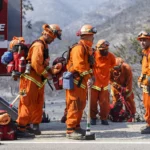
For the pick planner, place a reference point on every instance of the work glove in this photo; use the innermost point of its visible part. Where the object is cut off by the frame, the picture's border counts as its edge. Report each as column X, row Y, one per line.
column 139, row 84
column 56, row 68
column 90, row 82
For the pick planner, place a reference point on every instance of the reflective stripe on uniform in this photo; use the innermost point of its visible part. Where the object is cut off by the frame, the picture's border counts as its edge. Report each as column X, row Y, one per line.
column 129, row 93
column 82, row 85
column 99, row 89
column 40, row 85
column 44, row 72
column 86, row 72
column 145, row 89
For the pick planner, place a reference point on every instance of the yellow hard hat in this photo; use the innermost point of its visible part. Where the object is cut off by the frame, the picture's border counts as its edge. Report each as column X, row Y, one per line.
column 53, row 30
column 102, row 45
column 143, row 35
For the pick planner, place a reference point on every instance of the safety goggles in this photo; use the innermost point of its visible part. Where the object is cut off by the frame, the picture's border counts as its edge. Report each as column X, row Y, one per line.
column 143, row 33
column 117, row 67
column 57, row 33
column 93, row 30
column 104, row 44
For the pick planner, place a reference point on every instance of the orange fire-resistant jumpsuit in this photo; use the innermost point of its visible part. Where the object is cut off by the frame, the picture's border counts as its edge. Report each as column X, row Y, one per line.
column 76, row 98
column 100, row 94
column 123, row 79
column 30, row 106
column 145, row 79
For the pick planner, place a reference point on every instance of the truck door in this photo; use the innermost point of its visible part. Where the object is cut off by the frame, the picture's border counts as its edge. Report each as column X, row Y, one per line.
column 10, row 25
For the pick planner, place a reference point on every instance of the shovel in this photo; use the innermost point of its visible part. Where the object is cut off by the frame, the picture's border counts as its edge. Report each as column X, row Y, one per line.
column 89, row 135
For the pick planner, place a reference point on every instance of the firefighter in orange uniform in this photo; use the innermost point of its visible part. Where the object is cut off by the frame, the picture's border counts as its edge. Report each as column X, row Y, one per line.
column 79, row 65
column 30, row 106
column 144, row 79
column 121, row 83
column 104, row 61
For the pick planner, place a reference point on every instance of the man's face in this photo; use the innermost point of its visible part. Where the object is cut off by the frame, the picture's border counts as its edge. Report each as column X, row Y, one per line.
column 89, row 37
column 48, row 39
column 145, row 43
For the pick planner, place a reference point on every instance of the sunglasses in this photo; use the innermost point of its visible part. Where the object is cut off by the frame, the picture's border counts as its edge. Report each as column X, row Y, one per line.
column 104, row 44
column 117, row 67
column 143, row 33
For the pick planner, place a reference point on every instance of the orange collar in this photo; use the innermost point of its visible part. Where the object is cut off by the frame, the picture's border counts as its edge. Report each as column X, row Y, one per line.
column 41, row 38
column 86, row 43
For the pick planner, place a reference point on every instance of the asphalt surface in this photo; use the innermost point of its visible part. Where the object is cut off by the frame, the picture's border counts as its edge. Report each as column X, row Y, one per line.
column 115, row 136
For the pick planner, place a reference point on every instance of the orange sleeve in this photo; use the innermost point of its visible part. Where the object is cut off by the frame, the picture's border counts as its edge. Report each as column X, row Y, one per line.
column 37, row 60
column 128, row 74
column 80, row 61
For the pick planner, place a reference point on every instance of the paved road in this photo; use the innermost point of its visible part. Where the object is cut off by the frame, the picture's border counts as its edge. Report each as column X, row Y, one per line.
column 115, row 136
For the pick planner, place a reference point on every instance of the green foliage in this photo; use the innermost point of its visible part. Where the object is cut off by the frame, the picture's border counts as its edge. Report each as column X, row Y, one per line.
column 136, row 46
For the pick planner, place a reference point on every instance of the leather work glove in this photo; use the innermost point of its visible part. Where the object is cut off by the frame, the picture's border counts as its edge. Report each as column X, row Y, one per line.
column 56, row 68
column 4, row 119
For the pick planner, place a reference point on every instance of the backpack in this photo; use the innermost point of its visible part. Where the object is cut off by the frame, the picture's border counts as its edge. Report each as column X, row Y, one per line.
column 117, row 113
column 57, row 78
column 15, row 59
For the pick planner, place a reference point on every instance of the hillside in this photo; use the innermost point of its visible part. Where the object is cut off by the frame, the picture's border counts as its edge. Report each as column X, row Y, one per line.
column 116, row 20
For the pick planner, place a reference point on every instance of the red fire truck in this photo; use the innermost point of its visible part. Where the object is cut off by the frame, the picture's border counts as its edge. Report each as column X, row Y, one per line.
column 10, row 25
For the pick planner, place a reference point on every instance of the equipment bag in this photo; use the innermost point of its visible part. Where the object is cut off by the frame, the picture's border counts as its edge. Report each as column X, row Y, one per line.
column 7, row 57
column 117, row 113
column 7, row 132
column 68, row 80
column 58, row 78
column 7, row 127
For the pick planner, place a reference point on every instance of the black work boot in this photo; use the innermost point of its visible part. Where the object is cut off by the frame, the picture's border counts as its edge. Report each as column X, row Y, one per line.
column 36, row 129
column 104, row 122
column 21, row 132
column 63, row 119
column 93, row 121
column 81, row 131
column 74, row 135
column 24, row 134
column 29, row 129
column 145, row 130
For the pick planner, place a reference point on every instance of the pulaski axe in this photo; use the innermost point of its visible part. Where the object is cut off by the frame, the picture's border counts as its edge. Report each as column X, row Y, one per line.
column 89, row 135
column 21, row 93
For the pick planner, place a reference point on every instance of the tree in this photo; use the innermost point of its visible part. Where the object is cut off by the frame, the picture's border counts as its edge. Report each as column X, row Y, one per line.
column 27, row 6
